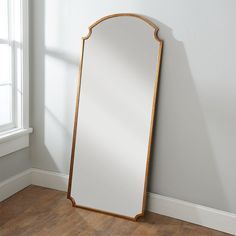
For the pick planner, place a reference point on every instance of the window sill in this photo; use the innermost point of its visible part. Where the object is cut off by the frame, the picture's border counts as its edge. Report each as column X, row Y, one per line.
column 14, row 140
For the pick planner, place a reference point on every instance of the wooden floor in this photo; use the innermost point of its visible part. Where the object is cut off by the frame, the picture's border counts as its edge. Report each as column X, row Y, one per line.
column 46, row 212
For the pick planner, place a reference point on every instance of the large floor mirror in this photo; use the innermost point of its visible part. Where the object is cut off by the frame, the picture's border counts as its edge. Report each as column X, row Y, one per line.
column 114, row 115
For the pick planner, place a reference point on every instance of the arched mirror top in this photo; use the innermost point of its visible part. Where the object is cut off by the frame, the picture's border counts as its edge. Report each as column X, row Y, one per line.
column 139, row 17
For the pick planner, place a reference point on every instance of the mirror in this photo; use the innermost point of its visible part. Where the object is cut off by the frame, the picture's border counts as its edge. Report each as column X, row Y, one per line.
column 116, row 100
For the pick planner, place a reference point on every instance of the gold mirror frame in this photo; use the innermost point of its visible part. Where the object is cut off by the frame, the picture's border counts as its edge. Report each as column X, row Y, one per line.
column 156, row 29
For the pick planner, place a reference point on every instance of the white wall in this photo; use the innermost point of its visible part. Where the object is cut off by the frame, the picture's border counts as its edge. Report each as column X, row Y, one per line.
column 194, row 152
column 14, row 164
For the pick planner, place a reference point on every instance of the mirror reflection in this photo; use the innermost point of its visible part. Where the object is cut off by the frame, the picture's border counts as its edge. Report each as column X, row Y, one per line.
column 114, row 115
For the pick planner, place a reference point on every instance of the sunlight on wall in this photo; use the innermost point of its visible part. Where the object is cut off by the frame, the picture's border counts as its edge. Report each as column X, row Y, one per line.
column 57, row 113
column 60, row 83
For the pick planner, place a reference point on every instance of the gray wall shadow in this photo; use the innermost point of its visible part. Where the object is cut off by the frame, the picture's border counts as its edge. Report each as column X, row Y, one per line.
column 182, row 161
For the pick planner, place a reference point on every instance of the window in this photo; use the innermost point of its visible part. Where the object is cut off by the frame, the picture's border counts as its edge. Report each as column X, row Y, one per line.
column 14, row 125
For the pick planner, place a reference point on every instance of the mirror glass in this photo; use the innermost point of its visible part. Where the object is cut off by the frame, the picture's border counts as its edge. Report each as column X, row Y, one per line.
column 114, row 115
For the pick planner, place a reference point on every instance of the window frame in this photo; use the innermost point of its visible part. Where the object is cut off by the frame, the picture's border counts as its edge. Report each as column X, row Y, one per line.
column 9, row 42
column 15, row 136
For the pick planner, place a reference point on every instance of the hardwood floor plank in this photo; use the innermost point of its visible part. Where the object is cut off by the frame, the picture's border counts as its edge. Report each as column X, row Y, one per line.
column 37, row 211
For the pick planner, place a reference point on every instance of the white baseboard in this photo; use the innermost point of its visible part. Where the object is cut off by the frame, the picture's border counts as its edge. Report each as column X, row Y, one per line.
column 49, row 179
column 190, row 212
column 14, row 184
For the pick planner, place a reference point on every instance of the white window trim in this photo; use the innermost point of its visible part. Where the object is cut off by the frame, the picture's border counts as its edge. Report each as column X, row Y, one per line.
column 18, row 138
